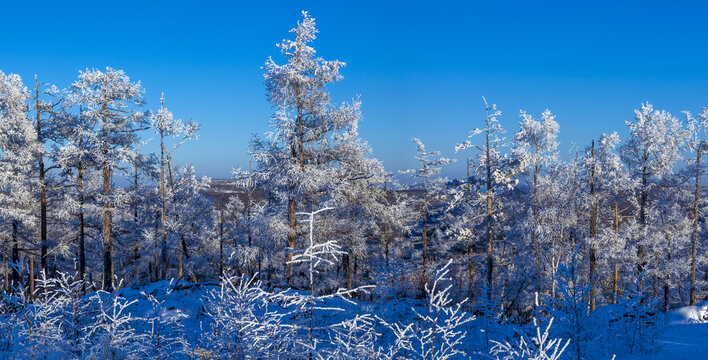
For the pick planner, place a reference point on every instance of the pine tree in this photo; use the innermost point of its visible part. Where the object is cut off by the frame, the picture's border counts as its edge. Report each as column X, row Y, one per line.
column 432, row 188
column 496, row 173
column 18, row 157
column 698, row 142
column 535, row 148
column 312, row 142
column 653, row 147
column 608, row 186
column 166, row 126
column 110, row 102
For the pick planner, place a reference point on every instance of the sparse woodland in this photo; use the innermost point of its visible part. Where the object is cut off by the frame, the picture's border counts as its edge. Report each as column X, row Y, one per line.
column 316, row 251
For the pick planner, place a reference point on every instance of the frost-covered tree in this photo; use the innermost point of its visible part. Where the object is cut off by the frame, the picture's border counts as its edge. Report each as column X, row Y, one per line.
column 44, row 331
column 48, row 107
column 638, row 323
column 609, row 187
column 559, row 190
column 77, row 161
column 166, row 126
column 312, row 144
column 698, row 142
column 362, row 212
column 431, row 163
column 110, row 102
column 656, row 139
column 18, row 155
column 535, row 148
column 668, row 242
column 192, row 224
column 137, row 219
column 166, row 337
column 243, row 214
column 494, row 169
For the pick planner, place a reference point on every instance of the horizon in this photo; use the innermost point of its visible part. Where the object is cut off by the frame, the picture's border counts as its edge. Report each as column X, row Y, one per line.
column 590, row 64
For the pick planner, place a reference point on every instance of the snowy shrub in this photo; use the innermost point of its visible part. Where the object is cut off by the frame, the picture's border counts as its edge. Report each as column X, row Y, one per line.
column 113, row 329
column 248, row 322
column 438, row 332
column 44, row 332
column 539, row 347
column 352, row 339
column 12, row 320
column 73, row 304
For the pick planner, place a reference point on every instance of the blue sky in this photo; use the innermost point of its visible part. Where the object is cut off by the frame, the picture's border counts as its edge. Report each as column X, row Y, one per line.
column 421, row 68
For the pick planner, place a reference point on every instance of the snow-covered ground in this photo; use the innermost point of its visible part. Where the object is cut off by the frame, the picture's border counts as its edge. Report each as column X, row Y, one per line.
column 183, row 320
column 686, row 336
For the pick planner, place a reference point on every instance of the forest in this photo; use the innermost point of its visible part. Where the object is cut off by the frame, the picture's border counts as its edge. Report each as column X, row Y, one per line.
column 316, row 251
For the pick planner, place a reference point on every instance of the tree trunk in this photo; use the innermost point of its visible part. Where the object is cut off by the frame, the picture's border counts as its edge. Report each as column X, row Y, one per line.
column 31, row 277
column 425, row 237
column 425, row 215
column 668, row 279
column 694, row 244
column 5, row 257
column 163, row 210
column 291, row 239
column 15, row 255
column 470, row 271
column 615, row 284
column 136, row 249
column 107, row 240
column 615, row 276
column 593, row 230
column 490, row 213
column 182, row 245
column 221, row 242
column 82, row 230
column 642, row 222
column 350, row 270
column 536, row 250
column 298, row 155
column 42, row 186
column 248, row 206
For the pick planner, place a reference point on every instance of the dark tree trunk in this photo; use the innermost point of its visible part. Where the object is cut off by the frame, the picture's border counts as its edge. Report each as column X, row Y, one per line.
column 82, row 231
column 694, row 243
column 15, row 255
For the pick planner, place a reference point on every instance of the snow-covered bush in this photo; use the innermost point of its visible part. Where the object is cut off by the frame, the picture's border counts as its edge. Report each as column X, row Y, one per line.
column 49, row 327
column 539, row 347
column 112, row 331
column 354, row 338
column 439, row 330
column 12, row 321
column 248, row 322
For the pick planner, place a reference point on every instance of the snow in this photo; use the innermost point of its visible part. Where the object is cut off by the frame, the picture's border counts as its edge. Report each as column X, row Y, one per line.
column 689, row 314
column 683, row 341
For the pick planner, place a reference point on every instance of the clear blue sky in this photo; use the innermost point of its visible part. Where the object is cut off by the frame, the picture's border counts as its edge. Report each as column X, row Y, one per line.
column 420, row 67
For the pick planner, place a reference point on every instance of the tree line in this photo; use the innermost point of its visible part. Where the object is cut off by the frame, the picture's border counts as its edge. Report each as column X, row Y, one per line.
column 629, row 213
